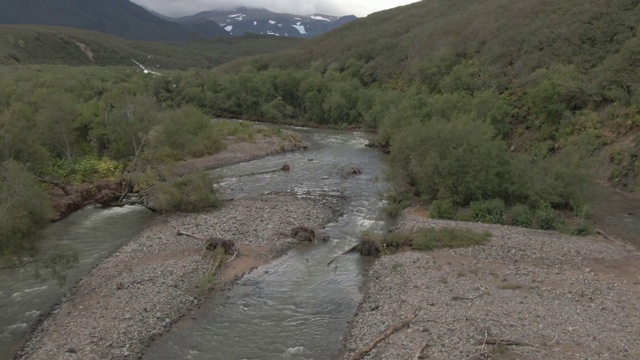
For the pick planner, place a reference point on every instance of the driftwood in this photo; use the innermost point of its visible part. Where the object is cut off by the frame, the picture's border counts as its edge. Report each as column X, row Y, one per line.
column 383, row 335
column 305, row 233
column 213, row 243
column 369, row 247
column 499, row 341
column 343, row 253
column 605, row 235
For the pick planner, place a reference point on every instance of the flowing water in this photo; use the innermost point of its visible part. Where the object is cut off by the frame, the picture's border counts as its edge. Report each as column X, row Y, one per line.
column 93, row 234
column 296, row 307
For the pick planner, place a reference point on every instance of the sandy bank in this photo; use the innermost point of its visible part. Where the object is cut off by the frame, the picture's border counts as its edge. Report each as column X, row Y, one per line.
column 550, row 295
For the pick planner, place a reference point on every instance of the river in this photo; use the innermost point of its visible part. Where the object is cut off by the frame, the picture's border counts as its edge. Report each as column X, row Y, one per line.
column 93, row 234
column 297, row 307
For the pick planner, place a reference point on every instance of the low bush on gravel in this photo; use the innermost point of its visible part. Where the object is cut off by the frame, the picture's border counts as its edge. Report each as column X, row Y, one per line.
column 190, row 193
column 443, row 209
column 488, row 211
column 424, row 240
column 521, row 215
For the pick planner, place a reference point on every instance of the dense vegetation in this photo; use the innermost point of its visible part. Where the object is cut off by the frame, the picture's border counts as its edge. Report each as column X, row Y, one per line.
column 492, row 106
column 70, row 125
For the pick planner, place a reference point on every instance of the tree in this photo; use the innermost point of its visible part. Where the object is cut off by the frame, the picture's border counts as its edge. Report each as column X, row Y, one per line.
column 461, row 160
column 24, row 210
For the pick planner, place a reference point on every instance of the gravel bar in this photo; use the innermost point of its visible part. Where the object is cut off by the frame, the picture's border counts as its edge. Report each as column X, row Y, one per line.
column 526, row 294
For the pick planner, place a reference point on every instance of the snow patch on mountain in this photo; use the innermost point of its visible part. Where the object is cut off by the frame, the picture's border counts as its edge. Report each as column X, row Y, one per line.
column 300, row 28
column 316, row 17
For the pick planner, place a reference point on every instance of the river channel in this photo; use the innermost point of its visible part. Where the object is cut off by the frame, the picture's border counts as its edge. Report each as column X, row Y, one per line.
column 93, row 234
column 296, row 307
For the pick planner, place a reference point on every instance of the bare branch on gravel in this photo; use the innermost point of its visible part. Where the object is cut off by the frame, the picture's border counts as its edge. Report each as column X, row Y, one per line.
column 501, row 341
column 383, row 335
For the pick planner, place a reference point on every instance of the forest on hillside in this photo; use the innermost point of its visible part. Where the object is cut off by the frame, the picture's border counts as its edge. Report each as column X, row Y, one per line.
column 481, row 123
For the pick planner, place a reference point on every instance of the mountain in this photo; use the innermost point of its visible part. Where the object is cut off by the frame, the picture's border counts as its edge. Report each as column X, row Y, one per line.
column 118, row 17
column 261, row 21
column 39, row 44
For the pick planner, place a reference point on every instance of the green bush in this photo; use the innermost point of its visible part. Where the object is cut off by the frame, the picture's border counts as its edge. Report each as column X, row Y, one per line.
column 186, row 132
column 396, row 202
column 24, row 210
column 521, row 215
column 443, row 209
column 461, row 160
column 190, row 193
column 582, row 228
column 547, row 218
column 488, row 211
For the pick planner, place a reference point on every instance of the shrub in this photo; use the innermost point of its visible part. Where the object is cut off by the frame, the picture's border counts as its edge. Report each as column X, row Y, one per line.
column 521, row 215
column 190, row 193
column 24, row 210
column 547, row 218
column 443, row 209
column 461, row 160
column 488, row 211
column 583, row 228
column 396, row 202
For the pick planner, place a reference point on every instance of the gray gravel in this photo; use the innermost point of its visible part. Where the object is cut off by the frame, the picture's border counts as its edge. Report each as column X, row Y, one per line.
column 139, row 292
column 559, row 296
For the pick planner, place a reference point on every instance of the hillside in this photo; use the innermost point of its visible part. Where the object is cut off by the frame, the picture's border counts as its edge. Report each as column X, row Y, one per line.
column 261, row 21
column 31, row 44
column 545, row 75
column 118, row 17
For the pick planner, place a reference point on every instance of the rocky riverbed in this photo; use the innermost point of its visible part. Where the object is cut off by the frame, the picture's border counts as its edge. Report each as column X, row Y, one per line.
column 140, row 291
column 526, row 294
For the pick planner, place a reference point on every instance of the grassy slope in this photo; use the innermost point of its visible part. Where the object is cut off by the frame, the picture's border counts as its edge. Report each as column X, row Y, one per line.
column 33, row 44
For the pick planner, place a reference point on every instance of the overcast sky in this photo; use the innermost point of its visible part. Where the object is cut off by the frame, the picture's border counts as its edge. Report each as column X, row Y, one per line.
column 359, row 8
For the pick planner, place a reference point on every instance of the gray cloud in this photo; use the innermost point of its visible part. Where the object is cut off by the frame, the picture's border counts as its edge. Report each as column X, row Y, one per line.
column 299, row 7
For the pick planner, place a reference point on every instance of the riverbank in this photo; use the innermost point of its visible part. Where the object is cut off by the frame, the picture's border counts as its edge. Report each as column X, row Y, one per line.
column 526, row 294
column 105, row 193
column 135, row 295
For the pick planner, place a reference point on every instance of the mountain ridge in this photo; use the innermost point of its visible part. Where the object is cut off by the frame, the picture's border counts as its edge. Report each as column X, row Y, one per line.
column 117, row 17
column 244, row 20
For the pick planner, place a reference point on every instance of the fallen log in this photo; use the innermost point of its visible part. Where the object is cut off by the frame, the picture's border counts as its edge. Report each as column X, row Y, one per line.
column 213, row 243
column 352, row 248
column 383, row 335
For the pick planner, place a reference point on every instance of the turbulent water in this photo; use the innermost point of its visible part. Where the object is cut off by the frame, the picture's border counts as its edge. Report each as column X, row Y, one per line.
column 93, row 234
column 297, row 307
